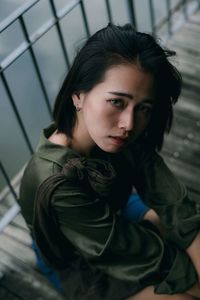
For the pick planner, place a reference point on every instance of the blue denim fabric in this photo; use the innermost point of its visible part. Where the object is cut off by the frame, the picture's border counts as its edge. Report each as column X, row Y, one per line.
column 47, row 271
column 135, row 209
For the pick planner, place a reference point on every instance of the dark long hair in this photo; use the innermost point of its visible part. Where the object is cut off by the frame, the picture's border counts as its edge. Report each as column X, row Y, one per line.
column 114, row 45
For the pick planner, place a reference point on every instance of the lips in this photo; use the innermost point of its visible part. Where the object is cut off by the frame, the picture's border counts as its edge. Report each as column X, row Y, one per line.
column 118, row 140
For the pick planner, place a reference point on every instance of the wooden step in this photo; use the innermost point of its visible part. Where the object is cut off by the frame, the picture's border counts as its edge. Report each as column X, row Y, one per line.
column 21, row 282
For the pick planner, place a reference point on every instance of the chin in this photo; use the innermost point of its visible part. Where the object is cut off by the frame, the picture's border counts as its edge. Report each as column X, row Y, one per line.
column 111, row 149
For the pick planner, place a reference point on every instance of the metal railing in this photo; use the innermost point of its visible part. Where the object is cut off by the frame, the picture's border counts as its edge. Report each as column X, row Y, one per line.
column 184, row 8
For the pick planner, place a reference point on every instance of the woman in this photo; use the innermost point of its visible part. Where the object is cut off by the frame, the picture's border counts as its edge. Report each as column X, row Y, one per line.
column 109, row 121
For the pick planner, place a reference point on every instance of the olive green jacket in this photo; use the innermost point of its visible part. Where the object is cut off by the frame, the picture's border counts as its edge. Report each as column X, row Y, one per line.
column 76, row 218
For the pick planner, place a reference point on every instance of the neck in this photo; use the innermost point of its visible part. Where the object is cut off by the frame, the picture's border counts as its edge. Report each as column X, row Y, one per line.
column 81, row 142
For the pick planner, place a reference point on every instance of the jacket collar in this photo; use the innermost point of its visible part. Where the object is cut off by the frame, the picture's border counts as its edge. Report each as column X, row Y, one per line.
column 53, row 152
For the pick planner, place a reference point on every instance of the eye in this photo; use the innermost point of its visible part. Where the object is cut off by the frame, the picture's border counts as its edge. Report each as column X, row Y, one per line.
column 116, row 102
column 145, row 108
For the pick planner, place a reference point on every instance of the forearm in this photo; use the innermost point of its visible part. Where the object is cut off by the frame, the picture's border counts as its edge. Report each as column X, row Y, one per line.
column 153, row 217
column 194, row 252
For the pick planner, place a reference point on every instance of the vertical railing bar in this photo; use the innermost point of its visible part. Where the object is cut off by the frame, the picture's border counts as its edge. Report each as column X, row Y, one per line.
column 36, row 65
column 184, row 6
column 60, row 33
column 152, row 16
column 8, row 180
column 16, row 113
column 84, row 18
column 169, row 15
column 109, row 11
column 131, row 11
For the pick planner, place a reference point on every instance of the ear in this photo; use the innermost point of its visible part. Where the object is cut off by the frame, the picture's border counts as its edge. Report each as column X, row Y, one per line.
column 78, row 99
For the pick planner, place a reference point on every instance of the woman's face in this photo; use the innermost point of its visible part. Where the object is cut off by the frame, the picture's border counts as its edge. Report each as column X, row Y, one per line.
column 116, row 111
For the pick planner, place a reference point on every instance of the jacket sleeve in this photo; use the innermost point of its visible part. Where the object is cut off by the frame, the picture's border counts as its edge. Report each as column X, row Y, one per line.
column 129, row 252
column 161, row 190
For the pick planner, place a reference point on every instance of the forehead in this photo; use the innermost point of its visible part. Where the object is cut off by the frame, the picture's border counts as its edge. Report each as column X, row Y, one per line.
column 128, row 78
column 128, row 74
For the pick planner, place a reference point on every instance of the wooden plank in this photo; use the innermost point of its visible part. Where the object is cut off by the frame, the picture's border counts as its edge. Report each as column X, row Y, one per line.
column 19, row 234
column 10, row 262
column 19, row 222
column 17, row 249
column 193, row 26
column 191, row 31
column 187, row 110
column 189, row 70
column 191, row 96
column 186, row 152
column 185, row 52
column 186, row 128
column 24, row 282
column 191, row 83
column 26, row 288
column 192, row 37
column 188, row 52
column 184, row 64
column 195, row 18
column 3, row 209
column 7, row 295
column 4, row 292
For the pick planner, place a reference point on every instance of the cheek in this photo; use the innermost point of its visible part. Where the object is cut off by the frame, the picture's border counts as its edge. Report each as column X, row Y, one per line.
column 100, row 115
column 142, row 122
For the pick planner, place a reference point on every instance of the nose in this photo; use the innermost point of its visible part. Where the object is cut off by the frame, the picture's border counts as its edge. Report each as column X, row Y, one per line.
column 126, row 120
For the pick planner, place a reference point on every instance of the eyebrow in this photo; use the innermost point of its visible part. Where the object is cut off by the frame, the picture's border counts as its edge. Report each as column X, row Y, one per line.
column 122, row 94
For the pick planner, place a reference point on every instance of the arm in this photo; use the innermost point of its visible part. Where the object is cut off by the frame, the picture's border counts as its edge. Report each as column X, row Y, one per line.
column 194, row 252
column 160, row 190
column 153, row 217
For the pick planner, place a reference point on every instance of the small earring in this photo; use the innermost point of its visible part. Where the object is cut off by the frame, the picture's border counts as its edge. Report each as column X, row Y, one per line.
column 77, row 108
